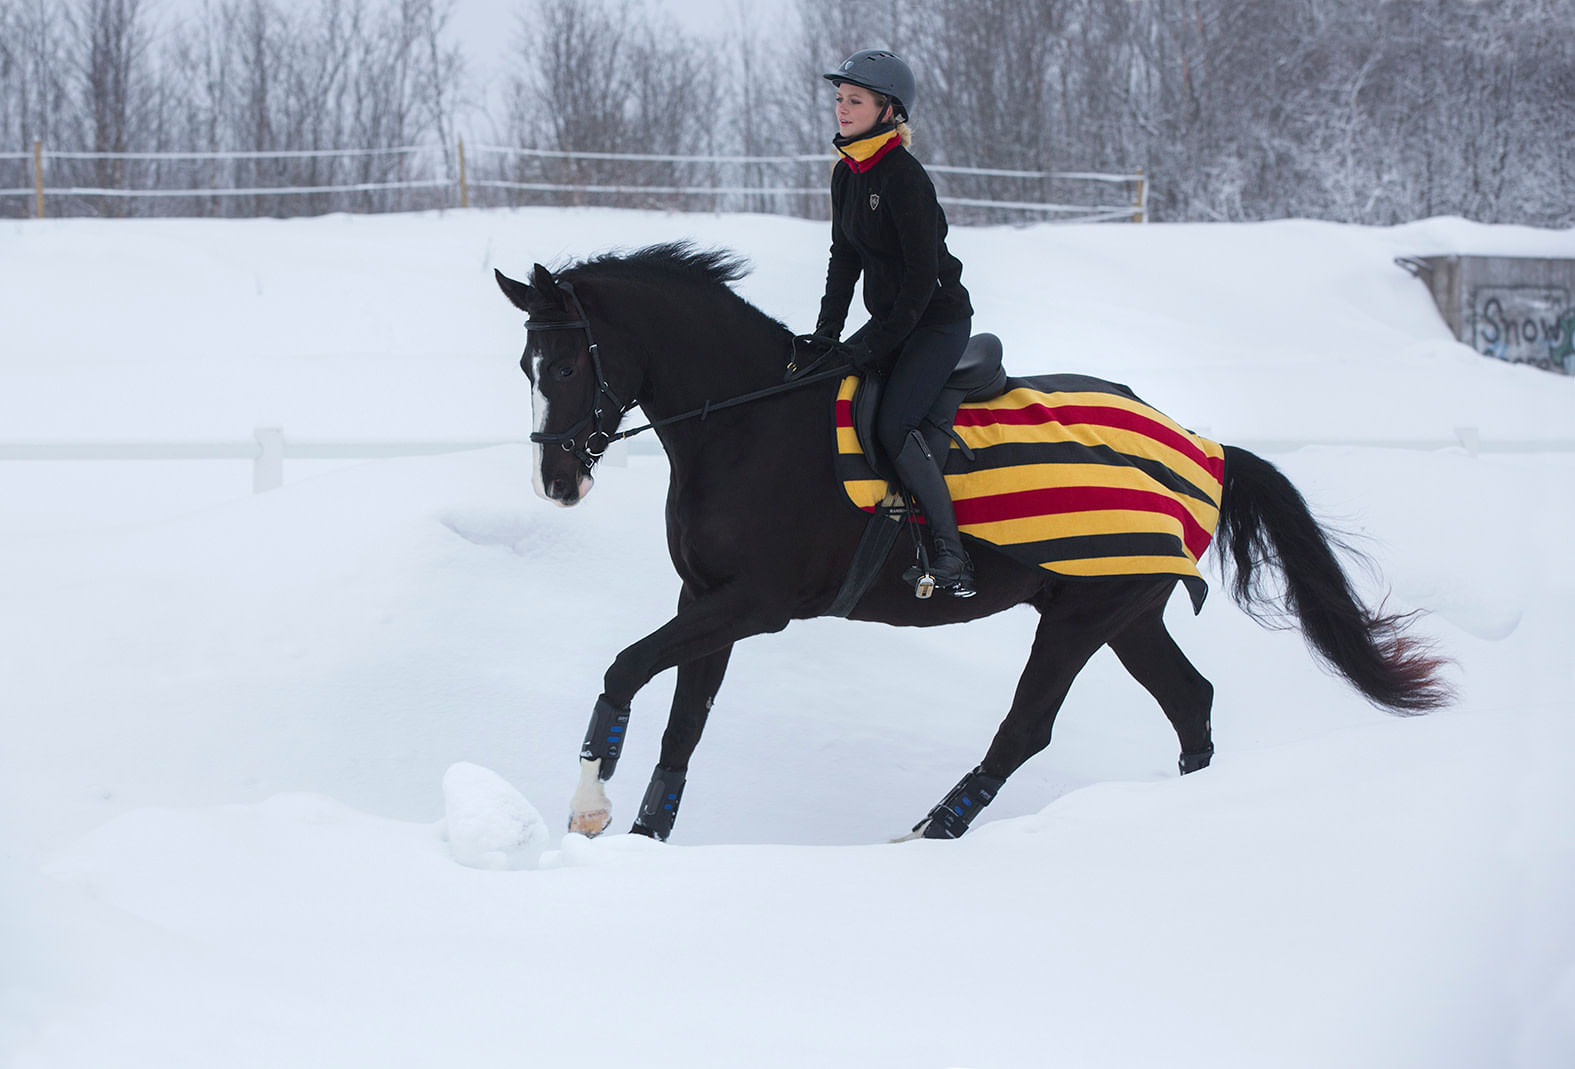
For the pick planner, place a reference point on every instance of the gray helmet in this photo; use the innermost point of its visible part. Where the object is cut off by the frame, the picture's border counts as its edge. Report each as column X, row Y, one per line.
column 880, row 71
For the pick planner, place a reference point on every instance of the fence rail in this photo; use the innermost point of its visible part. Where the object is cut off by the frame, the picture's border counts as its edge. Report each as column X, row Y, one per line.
column 269, row 448
column 415, row 176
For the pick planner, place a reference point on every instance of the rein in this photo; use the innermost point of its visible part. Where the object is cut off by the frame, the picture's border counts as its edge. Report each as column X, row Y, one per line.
column 600, row 438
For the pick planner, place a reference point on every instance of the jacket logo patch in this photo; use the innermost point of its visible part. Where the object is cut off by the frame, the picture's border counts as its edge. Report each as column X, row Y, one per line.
column 874, row 201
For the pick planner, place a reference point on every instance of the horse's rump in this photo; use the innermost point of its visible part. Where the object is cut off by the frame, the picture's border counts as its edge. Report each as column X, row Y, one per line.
column 1072, row 474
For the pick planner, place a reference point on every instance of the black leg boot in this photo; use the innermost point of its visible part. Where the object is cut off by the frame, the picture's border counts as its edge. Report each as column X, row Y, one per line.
column 917, row 469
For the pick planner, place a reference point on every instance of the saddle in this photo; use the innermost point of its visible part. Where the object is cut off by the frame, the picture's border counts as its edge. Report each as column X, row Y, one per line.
column 978, row 376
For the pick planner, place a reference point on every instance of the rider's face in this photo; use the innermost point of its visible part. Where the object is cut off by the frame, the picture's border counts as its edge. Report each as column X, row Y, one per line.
column 858, row 110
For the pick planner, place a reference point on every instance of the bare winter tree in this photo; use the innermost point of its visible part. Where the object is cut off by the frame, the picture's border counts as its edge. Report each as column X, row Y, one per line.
column 343, row 76
column 35, row 90
column 110, row 44
column 603, row 77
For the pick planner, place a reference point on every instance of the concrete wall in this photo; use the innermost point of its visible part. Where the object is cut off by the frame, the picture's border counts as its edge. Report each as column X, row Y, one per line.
column 1514, row 308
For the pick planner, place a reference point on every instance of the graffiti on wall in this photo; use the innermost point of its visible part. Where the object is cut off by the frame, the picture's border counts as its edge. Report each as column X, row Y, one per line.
column 1524, row 325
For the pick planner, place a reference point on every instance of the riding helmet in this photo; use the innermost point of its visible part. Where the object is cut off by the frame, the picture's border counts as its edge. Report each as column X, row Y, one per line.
column 880, row 71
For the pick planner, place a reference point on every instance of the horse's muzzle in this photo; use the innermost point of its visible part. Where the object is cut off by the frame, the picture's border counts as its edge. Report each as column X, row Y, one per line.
column 565, row 490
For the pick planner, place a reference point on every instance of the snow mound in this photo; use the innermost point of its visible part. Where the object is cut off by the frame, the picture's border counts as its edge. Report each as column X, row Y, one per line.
column 488, row 823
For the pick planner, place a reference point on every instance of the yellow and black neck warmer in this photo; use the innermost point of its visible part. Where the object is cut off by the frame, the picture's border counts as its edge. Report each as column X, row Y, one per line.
column 866, row 150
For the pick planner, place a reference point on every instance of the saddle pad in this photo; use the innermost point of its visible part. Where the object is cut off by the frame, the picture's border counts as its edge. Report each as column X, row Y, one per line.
column 1072, row 474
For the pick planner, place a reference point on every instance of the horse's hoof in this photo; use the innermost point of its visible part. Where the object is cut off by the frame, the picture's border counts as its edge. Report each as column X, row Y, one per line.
column 590, row 824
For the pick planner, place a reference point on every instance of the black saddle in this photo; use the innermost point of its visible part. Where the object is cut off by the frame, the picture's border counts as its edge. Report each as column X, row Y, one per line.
column 978, row 377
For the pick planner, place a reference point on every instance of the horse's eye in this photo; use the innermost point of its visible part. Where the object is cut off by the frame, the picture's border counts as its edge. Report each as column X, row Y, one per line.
column 566, row 371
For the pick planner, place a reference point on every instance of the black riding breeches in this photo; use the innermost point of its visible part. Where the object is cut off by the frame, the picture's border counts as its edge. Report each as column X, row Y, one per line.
column 923, row 364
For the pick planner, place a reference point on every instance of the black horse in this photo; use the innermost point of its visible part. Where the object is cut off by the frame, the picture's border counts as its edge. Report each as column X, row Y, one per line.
column 760, row 536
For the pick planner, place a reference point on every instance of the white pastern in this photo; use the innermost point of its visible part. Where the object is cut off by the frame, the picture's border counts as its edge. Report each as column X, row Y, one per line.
column 590, row 810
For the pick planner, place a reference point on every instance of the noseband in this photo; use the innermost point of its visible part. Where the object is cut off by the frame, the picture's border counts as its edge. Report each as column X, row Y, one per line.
column 597, row 441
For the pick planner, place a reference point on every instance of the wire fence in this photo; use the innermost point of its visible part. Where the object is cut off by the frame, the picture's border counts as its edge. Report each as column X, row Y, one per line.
column 269, row 447
column 296, row 182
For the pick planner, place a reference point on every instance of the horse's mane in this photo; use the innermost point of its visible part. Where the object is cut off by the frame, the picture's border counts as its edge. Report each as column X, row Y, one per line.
column 716, row 267
column 676, row 262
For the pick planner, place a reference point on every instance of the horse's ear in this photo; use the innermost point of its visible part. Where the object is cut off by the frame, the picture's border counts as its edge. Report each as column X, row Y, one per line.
column 519, row 294
column 542, row 279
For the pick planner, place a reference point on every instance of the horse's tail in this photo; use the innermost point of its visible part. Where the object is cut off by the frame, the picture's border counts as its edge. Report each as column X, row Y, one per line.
column 1264, row 521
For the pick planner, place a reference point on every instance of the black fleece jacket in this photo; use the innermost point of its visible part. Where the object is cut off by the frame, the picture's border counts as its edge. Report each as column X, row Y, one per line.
column 887, row 224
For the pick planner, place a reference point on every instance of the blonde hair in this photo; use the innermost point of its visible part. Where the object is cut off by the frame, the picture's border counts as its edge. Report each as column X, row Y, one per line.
column 904, row 131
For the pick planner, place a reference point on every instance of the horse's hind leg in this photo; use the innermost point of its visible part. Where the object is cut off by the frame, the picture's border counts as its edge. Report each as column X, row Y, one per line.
column 1073, row 624
column 1147, row 651
column 698, row 682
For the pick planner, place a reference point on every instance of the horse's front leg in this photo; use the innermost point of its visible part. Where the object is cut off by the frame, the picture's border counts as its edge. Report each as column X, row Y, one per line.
column 698, row 640
column 591, row 809
column 698, row 682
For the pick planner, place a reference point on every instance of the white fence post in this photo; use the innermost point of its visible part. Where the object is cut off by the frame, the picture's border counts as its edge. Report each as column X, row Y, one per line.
column 268, row 468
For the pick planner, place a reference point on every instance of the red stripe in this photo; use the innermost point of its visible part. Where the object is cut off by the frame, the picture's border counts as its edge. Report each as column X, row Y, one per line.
column 1059, row 500
column 844, row 413
column 1093, row 416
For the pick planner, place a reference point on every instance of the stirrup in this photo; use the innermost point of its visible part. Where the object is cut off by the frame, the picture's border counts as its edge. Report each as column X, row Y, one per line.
column 919, row 577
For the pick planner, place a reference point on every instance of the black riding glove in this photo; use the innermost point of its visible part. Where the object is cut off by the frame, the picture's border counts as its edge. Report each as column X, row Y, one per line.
column 858, row 354
column 813, row 345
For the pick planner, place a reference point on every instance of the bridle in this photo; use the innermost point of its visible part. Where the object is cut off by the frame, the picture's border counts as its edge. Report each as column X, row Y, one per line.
column 600, row 438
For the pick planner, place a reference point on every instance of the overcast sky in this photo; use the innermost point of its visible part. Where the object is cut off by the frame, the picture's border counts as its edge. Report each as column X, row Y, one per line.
column 488, row 28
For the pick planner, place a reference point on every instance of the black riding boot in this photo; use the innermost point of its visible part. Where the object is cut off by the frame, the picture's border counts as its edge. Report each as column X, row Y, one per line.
column 917, row 469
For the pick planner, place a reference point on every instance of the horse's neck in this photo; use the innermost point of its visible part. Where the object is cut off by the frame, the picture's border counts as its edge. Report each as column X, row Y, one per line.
column 712, row 356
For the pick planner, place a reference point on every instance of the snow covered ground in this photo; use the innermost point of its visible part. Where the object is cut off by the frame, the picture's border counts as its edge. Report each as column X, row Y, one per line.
column 268, row 759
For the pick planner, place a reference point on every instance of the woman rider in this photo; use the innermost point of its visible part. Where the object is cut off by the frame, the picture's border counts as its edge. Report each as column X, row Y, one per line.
column 887, row 225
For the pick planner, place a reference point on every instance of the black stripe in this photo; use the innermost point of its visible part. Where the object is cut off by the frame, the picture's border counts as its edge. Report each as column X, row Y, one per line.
column 1049, row 553
column 1095, row 547
column 1019, row 454
column 1070, row 383
column 851, row 466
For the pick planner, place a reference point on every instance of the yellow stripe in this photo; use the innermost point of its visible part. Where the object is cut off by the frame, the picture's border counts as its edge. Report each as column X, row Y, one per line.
column 1103, row 566
column 1075, row 525
column 866, row 493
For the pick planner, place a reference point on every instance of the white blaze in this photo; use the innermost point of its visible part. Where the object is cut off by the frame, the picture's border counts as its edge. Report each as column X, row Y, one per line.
column 538, row 407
